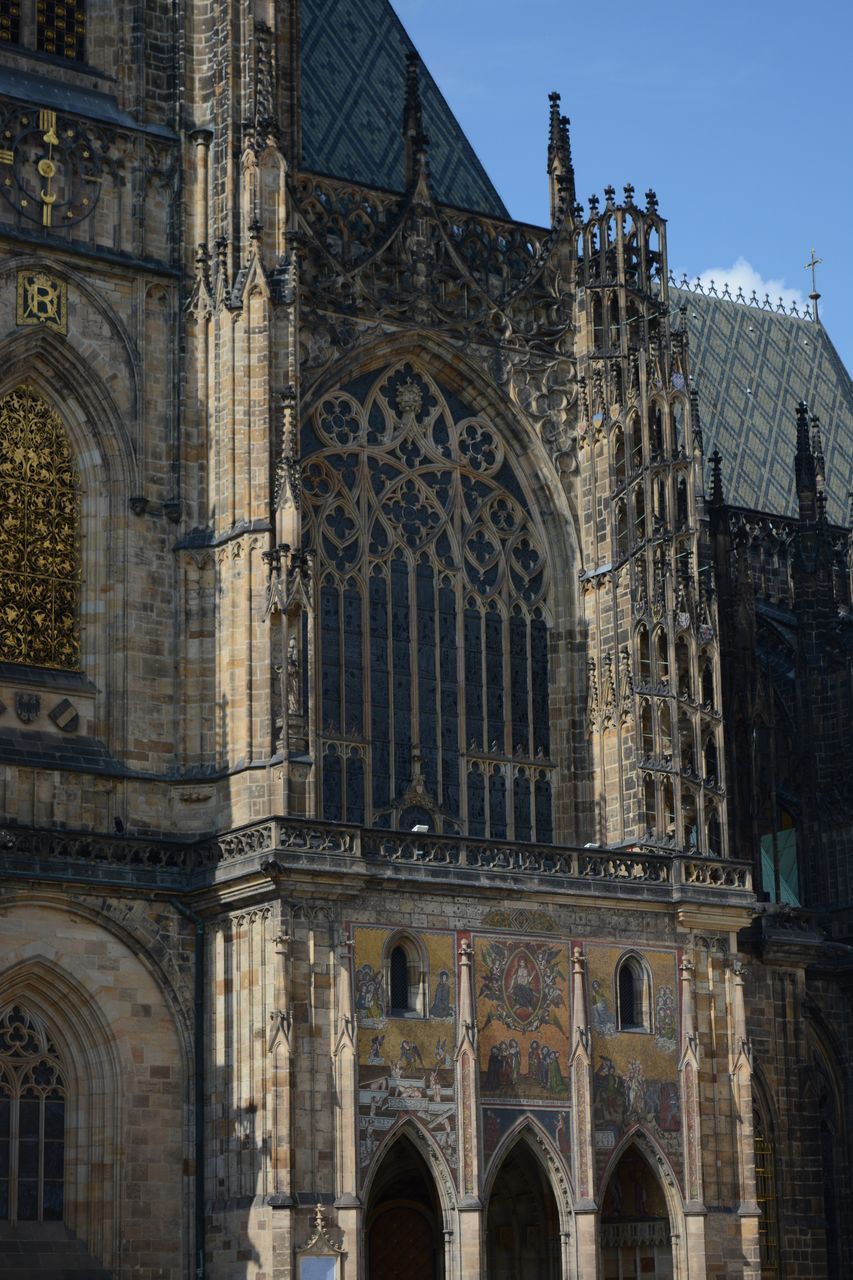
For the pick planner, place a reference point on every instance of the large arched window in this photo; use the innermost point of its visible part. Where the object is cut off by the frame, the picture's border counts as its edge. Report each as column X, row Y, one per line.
column 433, row 637
column 32, row 1121
column 39, row 536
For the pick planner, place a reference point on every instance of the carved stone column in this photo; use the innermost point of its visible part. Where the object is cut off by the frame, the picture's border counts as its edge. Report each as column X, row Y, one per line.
column 467, row 1104
column 740, row 1072
column 583, row 1163
column 688, row 1072
column 345, row 1058
column 280, row 1048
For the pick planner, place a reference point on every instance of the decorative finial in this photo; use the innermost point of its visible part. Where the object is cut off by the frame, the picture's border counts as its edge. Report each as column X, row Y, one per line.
column 610, row 196
column 560, row 169
column 804, row 465
column 413, row 124
column 593, row 206
column 651, row 201
column 812, row 265
column 817, row 451
column 628, row 191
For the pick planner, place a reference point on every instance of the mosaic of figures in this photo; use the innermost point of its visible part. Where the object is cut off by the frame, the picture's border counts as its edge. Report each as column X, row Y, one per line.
column 498, row 1121
column 406, row 1062
column 522, row 1012
column 635, row 1072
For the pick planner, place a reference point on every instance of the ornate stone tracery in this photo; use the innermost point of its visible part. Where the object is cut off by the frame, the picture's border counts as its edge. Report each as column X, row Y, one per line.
column 32, row 1120
column 431, row 567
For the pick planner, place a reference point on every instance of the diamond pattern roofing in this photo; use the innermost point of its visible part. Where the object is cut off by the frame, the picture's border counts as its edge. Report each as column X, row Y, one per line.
column 751, row 368
column 353, row 88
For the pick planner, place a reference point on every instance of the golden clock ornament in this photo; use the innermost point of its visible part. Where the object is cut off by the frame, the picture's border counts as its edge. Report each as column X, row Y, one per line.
column 48, row 168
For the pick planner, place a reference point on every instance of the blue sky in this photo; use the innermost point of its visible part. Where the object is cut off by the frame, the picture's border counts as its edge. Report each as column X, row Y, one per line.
column 738, row 114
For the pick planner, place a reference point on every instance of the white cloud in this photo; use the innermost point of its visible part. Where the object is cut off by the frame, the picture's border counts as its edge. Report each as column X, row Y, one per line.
column 742, row 275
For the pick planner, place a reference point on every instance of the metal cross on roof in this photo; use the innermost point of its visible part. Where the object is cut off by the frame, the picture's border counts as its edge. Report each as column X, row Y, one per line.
column 812, row 265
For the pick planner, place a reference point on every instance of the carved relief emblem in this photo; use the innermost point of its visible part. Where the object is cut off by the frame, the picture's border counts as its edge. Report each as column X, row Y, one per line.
column 42, row 300
column 27, row 705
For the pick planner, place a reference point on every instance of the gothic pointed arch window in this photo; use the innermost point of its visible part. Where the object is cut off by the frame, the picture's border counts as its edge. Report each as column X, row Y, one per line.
column 39, row 536
column 432, row 644
column 32, row 1120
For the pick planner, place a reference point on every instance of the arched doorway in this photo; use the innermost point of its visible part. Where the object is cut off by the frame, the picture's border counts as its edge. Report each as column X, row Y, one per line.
column 635, row 1226
column 523, row 1224
column 404, row 1221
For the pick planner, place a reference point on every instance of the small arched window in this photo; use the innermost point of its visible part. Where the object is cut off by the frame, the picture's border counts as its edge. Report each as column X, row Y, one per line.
column 662, row 655
column 646, row 731
column 406, row 971
column 39, row 536
column 715, row 834
column 619, row 464
column 707, row 679
column 633, row 995
column 644, row 656
column 682, row 666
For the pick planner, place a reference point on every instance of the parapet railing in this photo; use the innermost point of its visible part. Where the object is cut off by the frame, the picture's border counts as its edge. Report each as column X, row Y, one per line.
column 277, row 844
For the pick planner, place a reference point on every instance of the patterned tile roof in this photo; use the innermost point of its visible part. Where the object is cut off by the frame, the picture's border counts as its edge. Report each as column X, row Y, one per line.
column 353, row 83
column 751, row 367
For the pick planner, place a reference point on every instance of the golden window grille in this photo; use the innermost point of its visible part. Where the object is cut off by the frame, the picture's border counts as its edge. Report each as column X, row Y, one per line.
column 61, row 28
column 10, row 21
column 765, row 1194
column 39, row 536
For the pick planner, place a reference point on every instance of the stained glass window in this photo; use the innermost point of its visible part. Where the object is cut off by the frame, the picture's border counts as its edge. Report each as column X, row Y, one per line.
column 61, row 28
column 32, row 1121
column 39, row 536
column 433, row 639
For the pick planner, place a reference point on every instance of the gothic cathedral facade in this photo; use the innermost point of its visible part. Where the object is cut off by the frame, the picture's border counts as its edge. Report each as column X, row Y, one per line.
column 424, row 834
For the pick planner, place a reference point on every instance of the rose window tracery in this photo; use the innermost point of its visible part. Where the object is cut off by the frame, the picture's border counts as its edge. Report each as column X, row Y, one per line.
column 432, row 645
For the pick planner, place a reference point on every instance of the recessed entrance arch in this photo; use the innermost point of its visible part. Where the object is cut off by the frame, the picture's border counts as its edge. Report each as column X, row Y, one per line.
column 636, row 1232
column 523, row 1221
column 405, row 1238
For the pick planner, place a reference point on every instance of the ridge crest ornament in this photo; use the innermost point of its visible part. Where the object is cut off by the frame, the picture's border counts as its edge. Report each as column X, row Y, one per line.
column 42, row 299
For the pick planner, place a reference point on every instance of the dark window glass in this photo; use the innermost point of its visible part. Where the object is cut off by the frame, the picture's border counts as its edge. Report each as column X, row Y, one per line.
column 399, row 980
column 495, row 680
column 539, row 666
column 476, row 802
column 401, row 648
column 353, row 672
column 427, row 682
column 449, row 701
column 518, row 683
column 522, row 808
column 332, row 786
column 355, row 788
column 544, row 816
column 330, row 657
column 380, row 708
column 473, row 679
column 497, row 805
column 627, row 997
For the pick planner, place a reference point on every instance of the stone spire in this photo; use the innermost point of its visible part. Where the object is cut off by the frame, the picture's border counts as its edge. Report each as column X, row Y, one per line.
column 560, row 170
column 804, row 464
column 413, row 124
